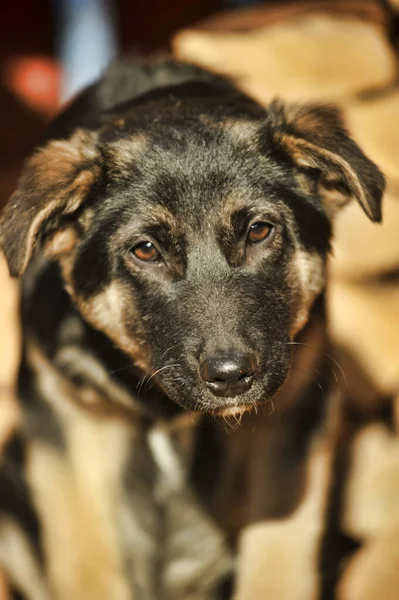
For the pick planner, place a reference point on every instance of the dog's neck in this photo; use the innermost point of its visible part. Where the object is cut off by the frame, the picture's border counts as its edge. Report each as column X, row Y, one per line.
column 101, row 377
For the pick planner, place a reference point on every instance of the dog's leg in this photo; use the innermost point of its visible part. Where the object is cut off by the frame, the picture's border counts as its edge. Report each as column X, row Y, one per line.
column 20, row 543
column 4, row 589
column 74, row 493
column 371, row 514
column 373, row 573
column 21, row 562
column 279, row 558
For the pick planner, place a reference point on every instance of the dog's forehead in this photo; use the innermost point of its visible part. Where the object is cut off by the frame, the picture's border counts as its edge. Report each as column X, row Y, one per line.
column 197, row 172
column 174, row 145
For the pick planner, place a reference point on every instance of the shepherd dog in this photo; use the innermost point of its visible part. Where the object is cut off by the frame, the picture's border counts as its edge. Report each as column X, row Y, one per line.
column 171, row 235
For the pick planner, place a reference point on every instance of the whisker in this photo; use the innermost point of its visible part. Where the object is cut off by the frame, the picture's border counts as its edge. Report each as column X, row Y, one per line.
column 319, row 386
column 168, row 350
column 328, row 356
column 141, row 383
column 158, row 371
column 120, row 369
column 315, row 380
column 232, row 420
column 339, row 367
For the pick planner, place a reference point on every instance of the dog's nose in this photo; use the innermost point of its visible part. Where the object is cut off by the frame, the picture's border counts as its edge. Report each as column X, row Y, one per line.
column 230, row 373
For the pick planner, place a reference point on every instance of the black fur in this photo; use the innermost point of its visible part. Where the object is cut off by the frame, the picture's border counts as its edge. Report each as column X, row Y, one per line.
column 167, row 153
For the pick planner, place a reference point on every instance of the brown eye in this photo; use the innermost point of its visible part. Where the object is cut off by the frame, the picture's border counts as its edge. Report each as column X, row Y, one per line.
column 259, row 232
column 146, row 252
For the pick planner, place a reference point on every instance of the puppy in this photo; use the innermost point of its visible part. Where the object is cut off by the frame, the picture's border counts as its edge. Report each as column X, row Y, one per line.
column 171, row 235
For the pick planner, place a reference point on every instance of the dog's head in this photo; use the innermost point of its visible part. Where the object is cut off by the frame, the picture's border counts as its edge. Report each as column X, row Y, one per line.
column 194, row 234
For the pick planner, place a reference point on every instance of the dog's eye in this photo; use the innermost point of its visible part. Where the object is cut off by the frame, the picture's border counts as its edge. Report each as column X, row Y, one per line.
column 145, row 252
column 258, row 232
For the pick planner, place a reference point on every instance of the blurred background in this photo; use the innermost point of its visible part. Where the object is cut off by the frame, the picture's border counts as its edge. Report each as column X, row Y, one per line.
column 335, row 51
column 49, row 46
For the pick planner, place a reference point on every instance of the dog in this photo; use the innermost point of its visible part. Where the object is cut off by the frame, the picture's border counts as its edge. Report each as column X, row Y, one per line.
column 171, row 236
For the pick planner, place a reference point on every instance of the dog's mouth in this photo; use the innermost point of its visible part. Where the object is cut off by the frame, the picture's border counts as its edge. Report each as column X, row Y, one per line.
column 222, row 382
column 221, row 398
column 224, row 404
column 232, row 407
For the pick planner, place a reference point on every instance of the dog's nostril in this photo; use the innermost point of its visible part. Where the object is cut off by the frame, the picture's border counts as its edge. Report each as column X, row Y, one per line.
column 229, row 373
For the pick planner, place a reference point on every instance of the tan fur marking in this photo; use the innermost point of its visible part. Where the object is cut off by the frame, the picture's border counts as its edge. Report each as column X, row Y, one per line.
column 123, row 153
column 372, row 574
column 307, row 121
column 241, row 131
column 107, row 400
column 372, row 513
column 372, row 494
column 76, row 500
column 53, row 173
column 305, row 183
column 59, row 157
column 10, row 416
column 303, row 366
column 308, row 268
column 34, row 229
column 4, row 588
column 301, row 152
column 76, row 493
column 158, row 214
column 86, row 218
column 62, row 242
column 18, row 559
column 106, row 312
column 278, row 559
column 333, row 200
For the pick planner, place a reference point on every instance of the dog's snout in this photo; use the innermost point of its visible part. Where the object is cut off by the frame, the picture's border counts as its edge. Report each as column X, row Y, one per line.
column 229, row 373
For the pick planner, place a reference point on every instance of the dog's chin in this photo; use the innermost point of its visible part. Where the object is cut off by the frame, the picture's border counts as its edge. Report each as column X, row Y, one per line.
column 236, row 412
column 224, row 405
column 197, row 398
column 205, row 402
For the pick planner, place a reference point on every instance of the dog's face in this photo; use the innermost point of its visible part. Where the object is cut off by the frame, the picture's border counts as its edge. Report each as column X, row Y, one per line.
column 195, row 240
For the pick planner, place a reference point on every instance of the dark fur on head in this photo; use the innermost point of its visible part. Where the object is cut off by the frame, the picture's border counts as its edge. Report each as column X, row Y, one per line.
column 189, row 166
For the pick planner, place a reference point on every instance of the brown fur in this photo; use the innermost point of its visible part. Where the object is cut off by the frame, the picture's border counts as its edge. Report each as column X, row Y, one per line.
column 192, row 187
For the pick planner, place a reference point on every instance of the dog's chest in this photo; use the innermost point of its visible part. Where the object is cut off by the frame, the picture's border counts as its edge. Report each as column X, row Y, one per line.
column 172, row 548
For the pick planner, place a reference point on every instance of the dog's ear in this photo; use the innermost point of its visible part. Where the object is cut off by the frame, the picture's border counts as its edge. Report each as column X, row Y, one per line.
column 316, row 141
column 53, row 185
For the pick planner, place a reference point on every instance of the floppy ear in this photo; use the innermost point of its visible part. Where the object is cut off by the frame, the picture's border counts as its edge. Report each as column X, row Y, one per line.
column 316, row 141
column 53, row 185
